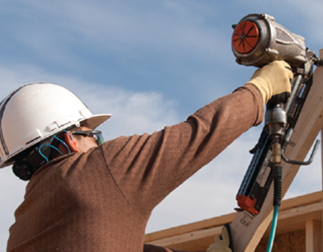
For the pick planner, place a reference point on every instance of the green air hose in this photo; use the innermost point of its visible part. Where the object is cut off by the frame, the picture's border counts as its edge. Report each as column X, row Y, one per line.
column 277, row 175
column 273, row 229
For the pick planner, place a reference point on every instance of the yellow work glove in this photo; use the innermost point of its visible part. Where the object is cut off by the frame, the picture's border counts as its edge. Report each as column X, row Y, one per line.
column 272, row 79
column 222, row 242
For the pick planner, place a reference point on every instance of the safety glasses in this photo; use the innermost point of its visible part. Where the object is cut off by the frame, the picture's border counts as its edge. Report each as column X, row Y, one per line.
column 96, row 134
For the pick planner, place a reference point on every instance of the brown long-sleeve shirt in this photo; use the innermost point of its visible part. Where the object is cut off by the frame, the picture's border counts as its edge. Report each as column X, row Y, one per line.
column 101, row 200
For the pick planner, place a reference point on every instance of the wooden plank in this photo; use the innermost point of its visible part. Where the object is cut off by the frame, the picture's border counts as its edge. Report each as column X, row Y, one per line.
column 301, row 200
column 191, row 241
column 199, row 225
column 294, row 214
column 221, row 220
column 295, row 218
column 290, row 220
column 313, row 236
column 247, row 230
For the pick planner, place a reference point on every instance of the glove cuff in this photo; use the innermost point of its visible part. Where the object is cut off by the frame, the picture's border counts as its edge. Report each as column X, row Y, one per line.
column 264, row 89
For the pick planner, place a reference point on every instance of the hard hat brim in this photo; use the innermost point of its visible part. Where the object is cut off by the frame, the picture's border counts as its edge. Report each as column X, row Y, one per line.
column 95, row 120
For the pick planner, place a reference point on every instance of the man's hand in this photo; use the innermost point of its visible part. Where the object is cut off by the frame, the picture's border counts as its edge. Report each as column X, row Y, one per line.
column 222, row 242
column 272, row 79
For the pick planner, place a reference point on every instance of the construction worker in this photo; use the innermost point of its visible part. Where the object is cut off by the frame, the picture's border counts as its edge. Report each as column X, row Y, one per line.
column 85, row 194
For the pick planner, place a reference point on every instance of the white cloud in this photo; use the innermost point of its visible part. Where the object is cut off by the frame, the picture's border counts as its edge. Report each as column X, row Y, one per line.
column 173, row 24
column 52, row 32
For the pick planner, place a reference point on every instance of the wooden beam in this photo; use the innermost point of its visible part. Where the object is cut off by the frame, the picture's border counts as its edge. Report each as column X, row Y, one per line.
column 293, row 203
column 199, row 225
column 191, row 241
column 313, row 236
column 247, row 230
column 315, row 197
column 294, row 213
column 295, row 218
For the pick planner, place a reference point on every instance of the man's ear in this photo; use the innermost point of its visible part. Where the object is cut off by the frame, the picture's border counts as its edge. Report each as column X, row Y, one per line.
column 71, row 143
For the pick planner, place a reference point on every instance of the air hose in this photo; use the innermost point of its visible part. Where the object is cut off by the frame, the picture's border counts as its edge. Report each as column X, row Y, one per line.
column 277, row 176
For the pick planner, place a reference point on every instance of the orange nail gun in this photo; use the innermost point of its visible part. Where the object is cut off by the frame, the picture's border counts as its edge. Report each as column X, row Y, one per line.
column 256, row 41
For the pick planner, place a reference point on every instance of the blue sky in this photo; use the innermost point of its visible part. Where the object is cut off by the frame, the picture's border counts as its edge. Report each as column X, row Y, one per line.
column 150, row 64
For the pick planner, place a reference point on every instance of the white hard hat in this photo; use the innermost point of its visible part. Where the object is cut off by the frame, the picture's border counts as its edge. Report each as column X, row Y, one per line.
column 36, row 111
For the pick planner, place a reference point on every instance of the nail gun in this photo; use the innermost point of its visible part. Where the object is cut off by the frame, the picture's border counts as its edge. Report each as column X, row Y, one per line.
column 256, row 41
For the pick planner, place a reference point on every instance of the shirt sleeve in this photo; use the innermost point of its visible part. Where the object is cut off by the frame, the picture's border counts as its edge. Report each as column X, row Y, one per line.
column 147, row 168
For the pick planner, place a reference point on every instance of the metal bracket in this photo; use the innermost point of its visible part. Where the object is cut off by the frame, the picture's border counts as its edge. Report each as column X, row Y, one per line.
column 309, row 161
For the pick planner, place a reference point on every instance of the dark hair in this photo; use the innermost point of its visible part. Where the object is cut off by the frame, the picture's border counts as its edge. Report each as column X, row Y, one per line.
column 28, row 161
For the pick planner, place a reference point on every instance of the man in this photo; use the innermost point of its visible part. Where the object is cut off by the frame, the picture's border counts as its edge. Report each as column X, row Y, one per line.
column 85, row 195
